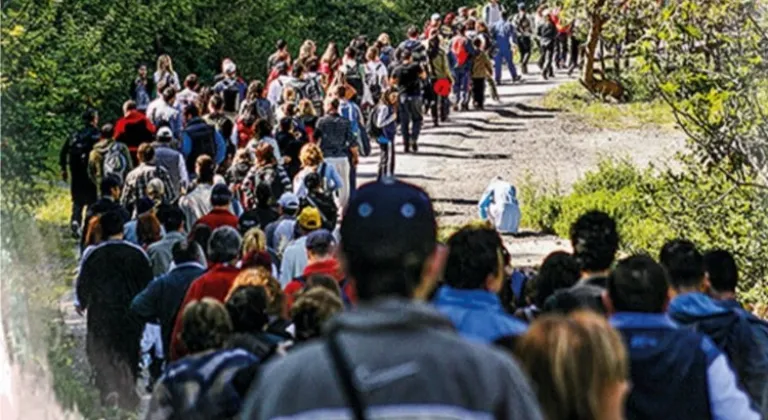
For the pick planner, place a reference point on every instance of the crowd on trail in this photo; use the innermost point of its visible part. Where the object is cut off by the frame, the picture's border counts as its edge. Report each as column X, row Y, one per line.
column 229, row 258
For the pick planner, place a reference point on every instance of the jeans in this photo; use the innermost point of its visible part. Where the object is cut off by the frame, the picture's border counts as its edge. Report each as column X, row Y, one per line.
column 387, row 159
column 524, row 44
column 410, row 113
column 461, row 85
column 504, row 54
column 547, row 55
column 342, row 166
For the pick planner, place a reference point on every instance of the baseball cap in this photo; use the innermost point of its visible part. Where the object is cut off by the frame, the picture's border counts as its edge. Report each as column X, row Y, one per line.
column 230, row 67
column 309, row 219
column 248, row 220
column 389, row 224
column 164, row 133
column 220, row 195
column 288, row 200
column 320, row 239
column 144, row 205
column 436, row 16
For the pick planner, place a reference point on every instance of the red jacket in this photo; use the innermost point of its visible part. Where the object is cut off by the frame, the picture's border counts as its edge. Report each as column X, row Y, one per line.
column 330, row 268
column 217, row 218
column 133, row 130
column 215, row 283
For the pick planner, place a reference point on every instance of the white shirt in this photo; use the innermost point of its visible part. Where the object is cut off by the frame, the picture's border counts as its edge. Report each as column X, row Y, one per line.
column 275, row 93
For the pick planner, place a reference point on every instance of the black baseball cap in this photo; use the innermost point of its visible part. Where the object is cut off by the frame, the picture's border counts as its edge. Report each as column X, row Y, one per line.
column 220, row 195
column 320, row 239
column 389, row 224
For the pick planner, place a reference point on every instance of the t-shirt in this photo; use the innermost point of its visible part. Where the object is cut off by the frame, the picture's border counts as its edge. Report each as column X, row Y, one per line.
column 407, row 76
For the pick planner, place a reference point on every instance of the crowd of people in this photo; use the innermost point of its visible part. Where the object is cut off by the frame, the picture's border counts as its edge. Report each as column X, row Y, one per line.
column 228, row 252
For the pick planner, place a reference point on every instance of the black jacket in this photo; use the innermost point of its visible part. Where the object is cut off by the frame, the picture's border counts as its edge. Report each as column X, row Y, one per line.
column 73, row 158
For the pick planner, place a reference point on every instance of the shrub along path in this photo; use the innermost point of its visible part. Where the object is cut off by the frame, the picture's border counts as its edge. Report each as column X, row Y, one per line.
column 521, row 141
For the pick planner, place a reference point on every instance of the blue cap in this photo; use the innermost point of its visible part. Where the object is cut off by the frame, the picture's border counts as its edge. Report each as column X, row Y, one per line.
column 387, row 222
column 320, row 239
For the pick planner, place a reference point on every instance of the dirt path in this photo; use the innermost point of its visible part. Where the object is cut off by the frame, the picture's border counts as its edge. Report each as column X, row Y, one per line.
column 511, row 139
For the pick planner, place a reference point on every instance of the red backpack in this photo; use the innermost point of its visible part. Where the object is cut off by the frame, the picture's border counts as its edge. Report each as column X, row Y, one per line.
column 459, row 49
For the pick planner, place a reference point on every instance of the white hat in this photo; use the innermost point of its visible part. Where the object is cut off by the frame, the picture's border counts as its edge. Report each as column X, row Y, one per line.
column 164, row 133
column 436, row 16
column 230, row 68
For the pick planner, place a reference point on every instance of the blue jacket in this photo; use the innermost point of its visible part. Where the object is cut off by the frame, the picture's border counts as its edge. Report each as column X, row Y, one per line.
column 477, row 314
column 503, row 34
column 677, row 373
column 731, row 331
column 186, row 142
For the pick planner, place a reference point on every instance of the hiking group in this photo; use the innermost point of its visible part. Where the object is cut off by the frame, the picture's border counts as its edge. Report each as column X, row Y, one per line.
column 230, row 258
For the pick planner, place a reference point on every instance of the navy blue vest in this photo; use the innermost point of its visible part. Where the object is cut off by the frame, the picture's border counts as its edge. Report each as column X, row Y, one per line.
column 669, row 374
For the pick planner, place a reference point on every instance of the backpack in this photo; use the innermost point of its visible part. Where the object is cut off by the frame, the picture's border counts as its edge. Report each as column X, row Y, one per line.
column 418, row 52
column 80, row 148
column 460, row 51
column 324, row 203
column 354, row 77
column 374, row 83
column 231, row 96
column 114, row 162
column 374, row 130
column 314, row 91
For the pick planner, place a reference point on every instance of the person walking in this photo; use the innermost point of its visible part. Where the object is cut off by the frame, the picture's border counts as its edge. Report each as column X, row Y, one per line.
column 164, row 111
column 189, row 95
column 73, row 161
column 408, row 77
column 133, row 129
column 267, row 170
column 524, row 32
column 165, row 76
column 170, row 159
column 142, row 88
column 137, row 180
column 334, row 135
column 547, row 34
column 441, row 78
column 492, row 13
column 232, row 90
column 482, row 69
column 463, row 52
column 384, row 130
column 108, row 157
column 504, row 37
column 200, row 138
column 111, row 274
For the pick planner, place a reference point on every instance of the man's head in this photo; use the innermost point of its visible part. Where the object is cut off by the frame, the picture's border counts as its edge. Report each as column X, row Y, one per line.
column 230, row 69
column 191, row 111
column 413, row 32
column 205, row 168
column 111, row 224
column 141, row 69
column 475, row 259
column 169, row 95
column 389, row 241
column 722, row 271
column 146, row 153
column 110, row 186
column 191, row 82
column 247, row 307
column 406, row 57
column 128, row 106
column 164, row 135
column 205, row 325
column 281, row 45
column 185, row 251
column 595, row 241
column 309, row 220
column 341, row 92
column 320, row 245
column 107, row 131
column 288, row 203
column 90, row 117
column 215, row 104
column 224, row 245
column 685, row 265
column 332, row 106
column 172, row 218
column 312, row 309
column 637, row 284
column 558, row 271
column 521, row 8
column 221, row 196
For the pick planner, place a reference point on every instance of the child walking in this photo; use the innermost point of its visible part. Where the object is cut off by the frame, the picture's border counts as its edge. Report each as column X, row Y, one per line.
column 481, row 70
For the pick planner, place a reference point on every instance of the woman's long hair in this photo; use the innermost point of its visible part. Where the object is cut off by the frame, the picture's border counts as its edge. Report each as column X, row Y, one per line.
column 331, row 54
column 164, row 63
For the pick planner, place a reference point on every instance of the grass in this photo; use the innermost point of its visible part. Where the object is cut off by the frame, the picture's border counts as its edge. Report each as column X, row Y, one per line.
column 575, row 99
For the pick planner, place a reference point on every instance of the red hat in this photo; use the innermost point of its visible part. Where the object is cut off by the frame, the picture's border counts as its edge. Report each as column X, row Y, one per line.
column 442, row 87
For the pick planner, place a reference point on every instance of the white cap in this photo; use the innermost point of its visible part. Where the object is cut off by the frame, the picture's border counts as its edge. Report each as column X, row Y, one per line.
column 436, row 16
column 229, row 68
column 164, row 133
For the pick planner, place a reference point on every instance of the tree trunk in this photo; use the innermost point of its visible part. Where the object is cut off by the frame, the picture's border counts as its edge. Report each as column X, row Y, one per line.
column 588, row 78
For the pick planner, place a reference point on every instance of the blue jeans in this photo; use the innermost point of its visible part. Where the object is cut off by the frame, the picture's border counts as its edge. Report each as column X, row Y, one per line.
column 504, row 54
column 461, row 85
column 410, row 118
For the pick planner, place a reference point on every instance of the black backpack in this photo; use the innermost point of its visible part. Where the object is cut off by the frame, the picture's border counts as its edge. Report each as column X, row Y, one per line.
column 231, row 96
column 324, row 203
column 80, row 147
column 354, row 76
column 374, row 130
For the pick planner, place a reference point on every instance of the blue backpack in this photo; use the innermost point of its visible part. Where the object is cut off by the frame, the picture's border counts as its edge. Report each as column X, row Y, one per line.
column 351, row 112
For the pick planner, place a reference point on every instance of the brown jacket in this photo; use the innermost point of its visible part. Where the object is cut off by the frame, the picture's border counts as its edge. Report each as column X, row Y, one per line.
column 482, row 67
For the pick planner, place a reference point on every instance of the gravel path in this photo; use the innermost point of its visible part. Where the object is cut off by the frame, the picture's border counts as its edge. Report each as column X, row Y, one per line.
column 511, row 139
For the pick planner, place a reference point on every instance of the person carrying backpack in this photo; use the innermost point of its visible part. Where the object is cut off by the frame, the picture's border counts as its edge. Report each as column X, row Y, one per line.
column 231, row 89
column 314, row 89
column 414, row 45
column 382, row 126
column 376, row 74
column 354, row 75
column 200, row 138
column 108, row 157
column 256, row 105
column 321, row 198
column 73, row 160
column 463, row 52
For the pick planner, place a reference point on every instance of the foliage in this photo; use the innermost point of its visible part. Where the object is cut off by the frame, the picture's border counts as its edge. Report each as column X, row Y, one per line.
column 583, row 105
column 653, row 207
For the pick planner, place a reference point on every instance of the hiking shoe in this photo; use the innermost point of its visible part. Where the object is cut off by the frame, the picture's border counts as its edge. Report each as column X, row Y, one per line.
column 75, row 227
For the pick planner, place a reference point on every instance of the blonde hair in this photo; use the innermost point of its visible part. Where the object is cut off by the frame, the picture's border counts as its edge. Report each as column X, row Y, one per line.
column 164, row 61
column 573, row 361
column 310, row 155
column 306, row 109
column 384, row 38
column 254, row 241
column 262, row 277
column 289, row 95
column 307, row 49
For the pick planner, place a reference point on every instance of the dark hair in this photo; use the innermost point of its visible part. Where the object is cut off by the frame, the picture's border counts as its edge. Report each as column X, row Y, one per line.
column 255, row 90
column 286, row 124
column 216, row 101
column 200, row 234
column 595, row 241
column 297, row 70
column 638, row 284
column 412, row 31
column 404, row 55
column 324, row 281
column 89, row 116
column 111, row 223
column 191, row 111
column 172, row 217
column 263, row 127
column 107, row 131
column 473, row 255
column 169, row 93
column 247, row 308
column 265, row 153
column 350, row 52
column 185, row 251
column 281, row 44
column 146, row 152
column 461, row 28
column 683, row 262
column 190, row 82
column 558, row 271
column 312, row 181
column 477, row 42
column 310, row 311
column 205, row 325
column 109, row 182
column 313, row 64
column 722, row 269
column 206, row 168
column 334, row 103
column 341, row 91
column 140, row 65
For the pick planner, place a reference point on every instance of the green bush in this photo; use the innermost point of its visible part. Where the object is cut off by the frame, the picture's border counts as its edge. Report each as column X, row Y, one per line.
column 651, row 208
